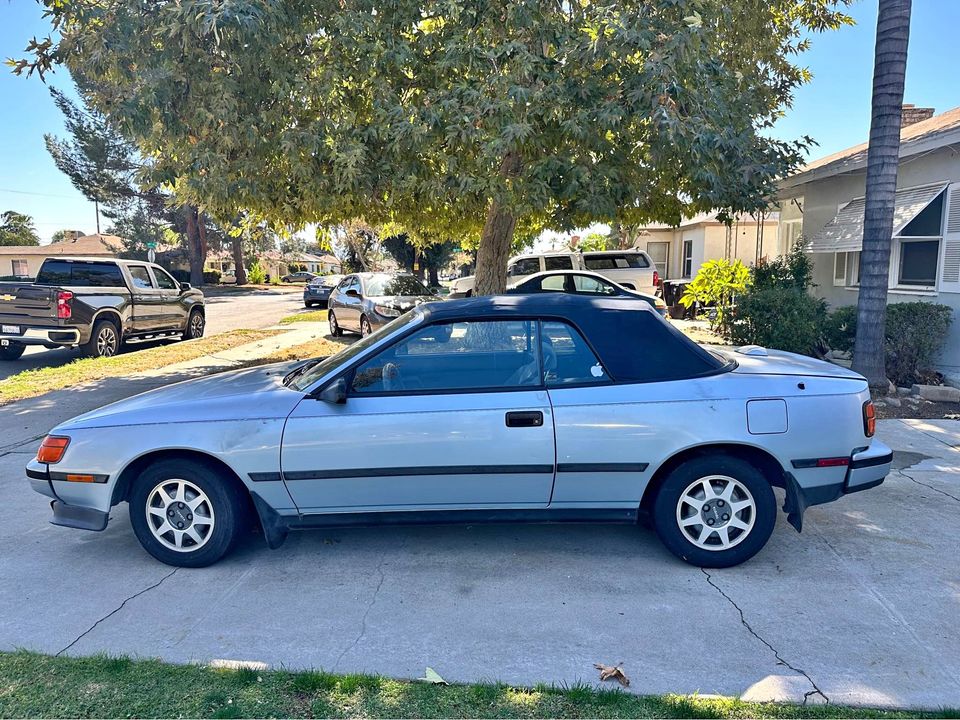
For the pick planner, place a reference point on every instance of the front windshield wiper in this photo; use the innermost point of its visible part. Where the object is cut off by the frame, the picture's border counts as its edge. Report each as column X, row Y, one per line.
column 297, row 372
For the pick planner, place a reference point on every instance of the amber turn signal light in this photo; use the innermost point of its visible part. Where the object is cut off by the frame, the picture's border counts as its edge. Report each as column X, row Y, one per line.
column 52, row 449
column 869, row 419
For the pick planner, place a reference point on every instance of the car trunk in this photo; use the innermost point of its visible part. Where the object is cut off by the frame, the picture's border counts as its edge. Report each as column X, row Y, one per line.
column 752, row 360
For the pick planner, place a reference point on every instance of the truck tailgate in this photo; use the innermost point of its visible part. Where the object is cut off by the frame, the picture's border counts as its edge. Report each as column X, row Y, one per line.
column 26, row 304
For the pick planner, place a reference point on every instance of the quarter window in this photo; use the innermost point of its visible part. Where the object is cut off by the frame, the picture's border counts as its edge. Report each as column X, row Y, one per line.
column 567, row 359
column 460, row 356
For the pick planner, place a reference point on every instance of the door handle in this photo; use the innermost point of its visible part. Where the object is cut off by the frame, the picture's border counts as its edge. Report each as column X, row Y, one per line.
column 525, row 418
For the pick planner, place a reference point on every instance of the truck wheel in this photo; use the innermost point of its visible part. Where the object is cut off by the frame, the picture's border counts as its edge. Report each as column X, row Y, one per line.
column 13, row 351
column 195, row 326
column 104, row 340
column 186, row 513
column 715, row 511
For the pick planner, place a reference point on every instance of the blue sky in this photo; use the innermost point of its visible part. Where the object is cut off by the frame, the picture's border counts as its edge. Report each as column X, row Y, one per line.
column 834, row 108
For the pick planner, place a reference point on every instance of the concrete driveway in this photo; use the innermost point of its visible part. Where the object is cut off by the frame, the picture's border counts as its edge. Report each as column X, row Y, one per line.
column 861, row 608
column 226, row 310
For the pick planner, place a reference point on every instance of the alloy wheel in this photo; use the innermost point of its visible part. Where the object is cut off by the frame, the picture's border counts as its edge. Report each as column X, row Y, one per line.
column 364, row 327
column 716, row 512
column 180, row 515
column 107, row 341
column 196, row 325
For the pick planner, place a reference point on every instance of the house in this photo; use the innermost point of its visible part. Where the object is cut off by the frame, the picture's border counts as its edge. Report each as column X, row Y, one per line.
column 824, row 203
column 678, row 252
column 23, row 261
column 276, row 264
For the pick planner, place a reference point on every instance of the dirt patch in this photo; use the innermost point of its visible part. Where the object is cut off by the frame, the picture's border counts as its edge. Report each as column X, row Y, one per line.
column 914, row 408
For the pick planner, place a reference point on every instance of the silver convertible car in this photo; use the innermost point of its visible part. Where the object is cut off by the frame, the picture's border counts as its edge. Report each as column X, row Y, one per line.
column 532, row 408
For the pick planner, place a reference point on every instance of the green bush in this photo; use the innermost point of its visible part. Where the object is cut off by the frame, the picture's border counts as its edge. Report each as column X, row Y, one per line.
column 716, row 284
column 915, row 332
column 840, row 329
column 256, row 274
column 211, row 277
column 784, row 318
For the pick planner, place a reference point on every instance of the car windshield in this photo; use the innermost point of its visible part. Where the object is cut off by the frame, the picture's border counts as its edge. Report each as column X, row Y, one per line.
column 394, row 285
column 301, row 381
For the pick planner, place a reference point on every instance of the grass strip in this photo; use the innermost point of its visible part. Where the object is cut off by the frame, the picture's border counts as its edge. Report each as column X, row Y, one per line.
column 305, row 316
column 34, row 685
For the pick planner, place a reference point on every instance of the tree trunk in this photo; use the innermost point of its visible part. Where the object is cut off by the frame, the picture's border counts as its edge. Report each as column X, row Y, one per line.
column 496, row 238
column 434, row 276
column 893, row 34
column 194, row 246
column 239, row 271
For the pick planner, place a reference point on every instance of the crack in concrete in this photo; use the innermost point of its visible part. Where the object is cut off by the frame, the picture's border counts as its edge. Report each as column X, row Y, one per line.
column 14, row 448
column 116, row 610
column 931, row 487
column 776, row 653
column 363, row 620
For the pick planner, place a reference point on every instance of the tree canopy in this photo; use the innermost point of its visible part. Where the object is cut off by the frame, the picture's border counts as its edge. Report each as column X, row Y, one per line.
column 462, row 120
column 17, row 229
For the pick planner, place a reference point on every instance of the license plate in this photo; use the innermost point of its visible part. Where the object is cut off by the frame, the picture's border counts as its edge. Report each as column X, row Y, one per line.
column 10, row 329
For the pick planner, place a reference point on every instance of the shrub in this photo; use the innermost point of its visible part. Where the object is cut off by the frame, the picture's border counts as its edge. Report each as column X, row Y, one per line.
column 840, row 329
column 785, row 318
column 211, row 277
column 716, row 284
column 915, row 332
column 256, row 274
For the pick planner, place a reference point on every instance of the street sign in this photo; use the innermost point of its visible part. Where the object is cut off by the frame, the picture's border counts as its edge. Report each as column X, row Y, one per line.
column 151, row 245
column 151, row 255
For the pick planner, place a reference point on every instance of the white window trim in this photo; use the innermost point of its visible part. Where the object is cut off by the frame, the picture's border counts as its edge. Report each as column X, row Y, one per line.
column 840, row 281
column 13, row 267
column 895, row 251
column 684, row 272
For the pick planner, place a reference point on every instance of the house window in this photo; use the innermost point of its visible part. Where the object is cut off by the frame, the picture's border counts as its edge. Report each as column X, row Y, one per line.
column 20, row 268
column 687, row 259
column 658, row 252
column 840, row 268
column 790, row 233
column 916, row 249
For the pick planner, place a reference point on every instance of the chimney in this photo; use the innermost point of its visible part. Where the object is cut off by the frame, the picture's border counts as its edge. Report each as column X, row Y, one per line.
column 912, row 114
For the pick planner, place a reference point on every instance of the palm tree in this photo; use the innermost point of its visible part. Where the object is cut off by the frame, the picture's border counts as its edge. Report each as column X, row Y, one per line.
column 890, row 64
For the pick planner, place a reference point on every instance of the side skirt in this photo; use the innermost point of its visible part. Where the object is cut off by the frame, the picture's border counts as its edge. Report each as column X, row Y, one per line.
column 276, row 527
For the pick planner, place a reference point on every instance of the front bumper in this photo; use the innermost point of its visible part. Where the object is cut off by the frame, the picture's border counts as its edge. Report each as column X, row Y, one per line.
column 65, row 514
column 48, row 337
column 867, row 469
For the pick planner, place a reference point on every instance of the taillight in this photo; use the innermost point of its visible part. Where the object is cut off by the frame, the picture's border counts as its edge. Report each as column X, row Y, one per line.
column 52, row 449
column 64, row 309
column 869, row 419
column 656, row 279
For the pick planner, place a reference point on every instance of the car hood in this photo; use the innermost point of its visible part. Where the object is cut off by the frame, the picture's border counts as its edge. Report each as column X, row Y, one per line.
column 236, row 395
column 402, row 302
column 754, row 360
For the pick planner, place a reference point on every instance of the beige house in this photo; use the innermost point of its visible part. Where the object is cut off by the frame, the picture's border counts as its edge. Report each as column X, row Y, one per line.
column 824, row 202
column 276, row 264
column 18, row 261
column 680, row 251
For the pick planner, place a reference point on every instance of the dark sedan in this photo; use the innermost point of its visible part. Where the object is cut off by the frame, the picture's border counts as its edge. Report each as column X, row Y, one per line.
column 364, row 302
column 581, row 283
column 317, row 291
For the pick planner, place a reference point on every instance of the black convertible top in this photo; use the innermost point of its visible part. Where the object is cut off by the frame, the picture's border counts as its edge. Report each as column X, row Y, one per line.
column 634, row 343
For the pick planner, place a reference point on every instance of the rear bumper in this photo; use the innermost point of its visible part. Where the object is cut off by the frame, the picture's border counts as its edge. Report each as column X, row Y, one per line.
column 44, row 336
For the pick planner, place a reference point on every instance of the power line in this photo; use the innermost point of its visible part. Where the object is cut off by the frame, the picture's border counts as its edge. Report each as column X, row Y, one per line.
column 25, row 192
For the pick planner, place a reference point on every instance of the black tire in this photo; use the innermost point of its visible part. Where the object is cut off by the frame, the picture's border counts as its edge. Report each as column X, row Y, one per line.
column 13, row 351
column 230, row 512
column 104, row 340
column 744, row 543
column 196, row 324
column 335, row 328
column 365, row 328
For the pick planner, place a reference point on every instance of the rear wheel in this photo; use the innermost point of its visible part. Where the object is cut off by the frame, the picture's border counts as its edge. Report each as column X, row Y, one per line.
column 104, row 340
column 13, row 351
column 715, row 511
column 196, row 324
column 365, row 328
column 335, row 328
column 186, row 513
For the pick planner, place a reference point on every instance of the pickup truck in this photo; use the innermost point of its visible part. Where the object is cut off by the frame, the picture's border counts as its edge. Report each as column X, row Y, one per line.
column 96, row 304
column 632, row 269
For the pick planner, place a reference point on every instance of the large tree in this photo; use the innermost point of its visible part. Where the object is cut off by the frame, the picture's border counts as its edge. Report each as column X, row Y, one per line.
column 473, row 119
column 883, row 159
column 17, row 229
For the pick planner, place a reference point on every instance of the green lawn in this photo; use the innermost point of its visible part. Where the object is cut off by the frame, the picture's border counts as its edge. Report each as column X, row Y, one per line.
column 33, row 685
column 306, row 316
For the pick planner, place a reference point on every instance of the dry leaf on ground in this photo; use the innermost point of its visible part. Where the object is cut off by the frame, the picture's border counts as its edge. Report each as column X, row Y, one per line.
column 613, row 672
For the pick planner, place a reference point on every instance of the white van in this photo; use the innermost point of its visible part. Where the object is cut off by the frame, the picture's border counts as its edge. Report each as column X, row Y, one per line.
column 633, row 269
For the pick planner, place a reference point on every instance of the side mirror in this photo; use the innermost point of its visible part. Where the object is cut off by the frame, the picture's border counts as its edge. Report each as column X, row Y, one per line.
column 184, row 286
column 353, row 293
column 335, row 393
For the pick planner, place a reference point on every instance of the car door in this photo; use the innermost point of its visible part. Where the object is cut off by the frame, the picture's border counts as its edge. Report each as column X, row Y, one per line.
column 352, row 304
column 453, row 416
column 174, row 311
column 147, row 312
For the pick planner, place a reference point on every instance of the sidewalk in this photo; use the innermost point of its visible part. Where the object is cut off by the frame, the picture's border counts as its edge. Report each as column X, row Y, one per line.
column 26, row 421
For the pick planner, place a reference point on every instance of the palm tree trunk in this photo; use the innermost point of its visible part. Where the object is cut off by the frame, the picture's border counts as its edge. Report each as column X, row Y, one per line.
column 496, row 238
column 893, row 34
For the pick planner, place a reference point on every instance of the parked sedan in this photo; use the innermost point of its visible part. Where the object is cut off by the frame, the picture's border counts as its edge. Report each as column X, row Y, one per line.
column 298, row 277
column 493, row 409
column 582, row 283
column 364, row 302
column 317, row 291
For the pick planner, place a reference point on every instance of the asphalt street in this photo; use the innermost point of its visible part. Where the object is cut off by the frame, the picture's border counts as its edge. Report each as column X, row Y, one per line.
column 861, row 608
column 253, row 309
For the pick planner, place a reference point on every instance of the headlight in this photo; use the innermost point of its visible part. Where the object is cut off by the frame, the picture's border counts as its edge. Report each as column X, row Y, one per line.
column 386, row 311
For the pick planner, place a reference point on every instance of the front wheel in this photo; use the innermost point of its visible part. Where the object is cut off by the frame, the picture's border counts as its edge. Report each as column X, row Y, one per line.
column 365, row 328
column 335, row 328
column 186, row 513
column 715, row 511
column 13, row 351
column 196, row 324
column 104, row 340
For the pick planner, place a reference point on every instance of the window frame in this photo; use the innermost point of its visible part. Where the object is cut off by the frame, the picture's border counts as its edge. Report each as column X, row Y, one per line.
column 666, row 257
column 841, row 281
column 14, row 262
column 574, row 330
column 686, row 259
column 896, row 262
